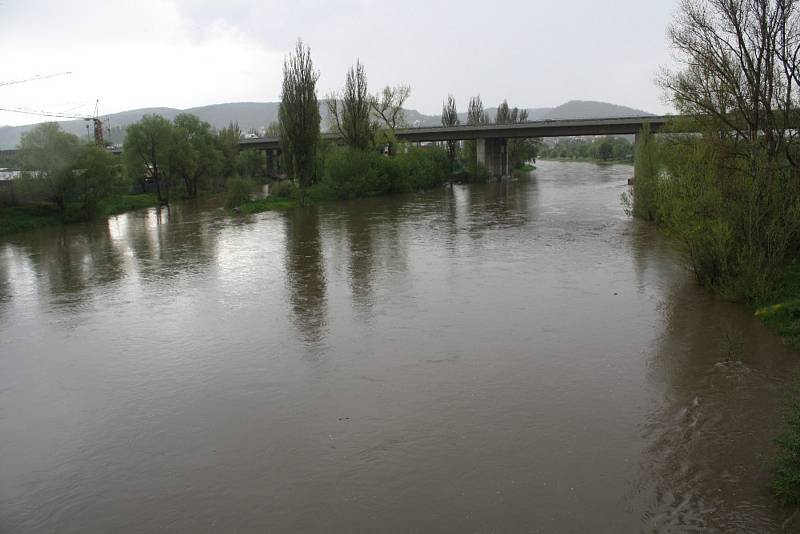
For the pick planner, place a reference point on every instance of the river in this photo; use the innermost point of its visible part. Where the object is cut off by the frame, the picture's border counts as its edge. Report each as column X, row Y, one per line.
column 514, row 357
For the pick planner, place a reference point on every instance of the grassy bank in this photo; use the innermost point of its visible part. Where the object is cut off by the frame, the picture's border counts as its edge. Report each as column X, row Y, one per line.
column 782, row 316
column 123, row 203
column 782, row 313
column 17, row 219
column 268, row 204
column 23, row 218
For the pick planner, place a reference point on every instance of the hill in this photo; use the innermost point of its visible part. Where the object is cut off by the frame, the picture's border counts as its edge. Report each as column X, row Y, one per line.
column 255, row 115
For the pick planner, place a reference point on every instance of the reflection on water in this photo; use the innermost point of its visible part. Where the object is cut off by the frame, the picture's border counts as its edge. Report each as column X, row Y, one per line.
column 514, row 356
column 305, row 274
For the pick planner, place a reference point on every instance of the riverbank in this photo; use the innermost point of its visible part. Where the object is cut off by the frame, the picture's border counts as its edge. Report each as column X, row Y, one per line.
column 782, row 315
column 16, row 219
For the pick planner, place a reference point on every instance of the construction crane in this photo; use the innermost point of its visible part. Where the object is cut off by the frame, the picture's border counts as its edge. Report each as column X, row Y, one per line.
column 34, row 78
column 98, row 123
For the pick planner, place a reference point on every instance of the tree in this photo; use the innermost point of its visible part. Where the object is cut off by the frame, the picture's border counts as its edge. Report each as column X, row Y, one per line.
column 741, row 71
column 274, row 129
column 97, row 176
column 252, row 163
column 520, row 151
column 50, row 155
column 605, row 150
column 503, row 114
column 196, row 156
column 351, row 117
column 646, row 175
column 449, row 119
column 476, row 116
column 147, row 152
column 388, row 109
column 732, row 194
column 228, row 142
column 299, row 115
column 475, row 113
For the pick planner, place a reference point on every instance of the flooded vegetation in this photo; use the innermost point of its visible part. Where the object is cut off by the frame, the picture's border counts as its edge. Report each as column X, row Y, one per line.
column 515, row 356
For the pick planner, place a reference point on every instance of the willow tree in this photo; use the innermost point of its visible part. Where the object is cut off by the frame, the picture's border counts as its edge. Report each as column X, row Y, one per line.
column 350, row 111
column 449, row 119
column 148, row 151
column 299, row 115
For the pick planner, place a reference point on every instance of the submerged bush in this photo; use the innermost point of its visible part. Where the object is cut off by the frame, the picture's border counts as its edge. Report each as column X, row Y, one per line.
column 356, row 173
column 283, row 189
column 239, row 190
column 646, row 177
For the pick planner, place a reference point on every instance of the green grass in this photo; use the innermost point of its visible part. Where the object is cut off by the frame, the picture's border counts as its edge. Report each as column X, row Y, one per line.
column 18, row 219
column 23, row 218
column 782, row 314
column 268, row 204
column 527, row 167
column 123, row 203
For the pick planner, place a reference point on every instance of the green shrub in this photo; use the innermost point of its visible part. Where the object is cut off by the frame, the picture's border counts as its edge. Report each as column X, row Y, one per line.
column 646, row 177
column 239, row 191
column 355, row 173
column 284, row 189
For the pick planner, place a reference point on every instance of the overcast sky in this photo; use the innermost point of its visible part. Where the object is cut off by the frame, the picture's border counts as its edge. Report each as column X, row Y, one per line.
column 183, row 53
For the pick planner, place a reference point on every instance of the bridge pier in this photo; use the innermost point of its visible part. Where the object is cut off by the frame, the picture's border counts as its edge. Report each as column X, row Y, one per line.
column 493, row 155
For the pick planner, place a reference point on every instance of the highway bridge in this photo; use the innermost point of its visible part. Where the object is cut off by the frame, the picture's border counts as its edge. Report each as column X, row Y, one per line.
column 491, row 139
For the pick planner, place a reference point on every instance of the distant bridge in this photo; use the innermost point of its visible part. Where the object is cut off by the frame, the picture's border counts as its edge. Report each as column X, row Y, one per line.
column 491, row 139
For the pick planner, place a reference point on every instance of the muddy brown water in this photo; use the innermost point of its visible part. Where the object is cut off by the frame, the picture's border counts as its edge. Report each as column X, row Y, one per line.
column 515, row 357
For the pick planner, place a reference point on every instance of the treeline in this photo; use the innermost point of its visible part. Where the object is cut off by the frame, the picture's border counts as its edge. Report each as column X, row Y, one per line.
column 731, row 192
column 186, row 156
column 64, row 178
column 600, row 149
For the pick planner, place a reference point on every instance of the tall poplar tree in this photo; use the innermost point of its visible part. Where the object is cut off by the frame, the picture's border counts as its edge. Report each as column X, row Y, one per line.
column 450, row 118
column 299, row 115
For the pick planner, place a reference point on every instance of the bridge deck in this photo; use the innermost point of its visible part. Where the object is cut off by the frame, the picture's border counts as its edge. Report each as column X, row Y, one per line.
column 548, row 128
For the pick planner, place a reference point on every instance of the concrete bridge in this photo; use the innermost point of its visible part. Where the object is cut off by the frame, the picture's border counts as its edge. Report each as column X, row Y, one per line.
column 491, row 139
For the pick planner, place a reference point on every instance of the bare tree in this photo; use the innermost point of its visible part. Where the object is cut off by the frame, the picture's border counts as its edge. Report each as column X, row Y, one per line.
column 741, row 69
column 388, row 106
